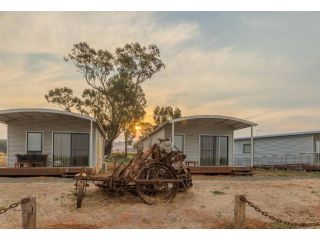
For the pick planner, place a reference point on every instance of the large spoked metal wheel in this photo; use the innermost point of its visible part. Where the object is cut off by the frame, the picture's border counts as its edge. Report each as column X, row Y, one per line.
column 81, row 191
column 157, row 183
column 186, row 179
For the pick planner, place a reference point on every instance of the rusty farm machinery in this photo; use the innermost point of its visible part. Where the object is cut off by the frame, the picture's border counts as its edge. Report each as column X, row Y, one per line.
column 156, row 175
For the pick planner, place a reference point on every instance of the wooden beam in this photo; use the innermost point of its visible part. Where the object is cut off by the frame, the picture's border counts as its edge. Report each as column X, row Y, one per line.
column 239, row 212
column 29, row 213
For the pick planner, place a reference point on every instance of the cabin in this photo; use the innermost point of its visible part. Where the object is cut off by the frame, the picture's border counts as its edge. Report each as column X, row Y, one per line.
column 279, row 149
column 207, row 140
column 52, row 138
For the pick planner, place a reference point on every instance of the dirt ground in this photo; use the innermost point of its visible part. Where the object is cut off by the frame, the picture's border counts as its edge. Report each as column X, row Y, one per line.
column 209, row 204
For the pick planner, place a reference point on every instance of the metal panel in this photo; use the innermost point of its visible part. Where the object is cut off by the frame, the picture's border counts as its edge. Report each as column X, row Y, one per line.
column 192, row 132
column 268, row 150
column 208, row 149
column 17, row 134
column 214, row 151
column 154, row 138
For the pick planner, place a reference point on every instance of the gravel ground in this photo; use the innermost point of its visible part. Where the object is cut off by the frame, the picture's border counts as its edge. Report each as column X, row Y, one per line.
column 209, row 204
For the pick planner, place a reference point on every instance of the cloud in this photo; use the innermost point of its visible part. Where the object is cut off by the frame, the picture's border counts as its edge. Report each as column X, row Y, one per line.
column 56, row 32
column 258, row 66
column 34, row 43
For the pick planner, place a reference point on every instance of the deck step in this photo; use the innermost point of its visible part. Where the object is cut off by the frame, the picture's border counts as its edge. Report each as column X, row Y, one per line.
column 43, row 171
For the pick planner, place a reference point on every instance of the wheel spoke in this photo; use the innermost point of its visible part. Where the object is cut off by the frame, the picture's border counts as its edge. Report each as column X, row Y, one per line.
column 157, row 192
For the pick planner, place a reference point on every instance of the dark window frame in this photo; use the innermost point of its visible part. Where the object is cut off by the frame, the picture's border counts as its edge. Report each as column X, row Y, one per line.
column 71, row 155
column 215, row 138
column 34, row 152
column 180, row 135
column 243, row 148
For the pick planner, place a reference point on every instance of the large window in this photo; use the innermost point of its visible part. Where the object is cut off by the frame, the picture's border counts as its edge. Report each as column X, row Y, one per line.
column 246, row 148
column 179, row 142
column 214, row 150
column 70, row 149
column 34, row 142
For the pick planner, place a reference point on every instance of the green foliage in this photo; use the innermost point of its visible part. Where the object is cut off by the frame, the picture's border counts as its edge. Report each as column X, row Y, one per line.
column 164, row 114
column 63, row 97
column 216, row 192
column 145, row 128
column 3, row 145
column 115, row 96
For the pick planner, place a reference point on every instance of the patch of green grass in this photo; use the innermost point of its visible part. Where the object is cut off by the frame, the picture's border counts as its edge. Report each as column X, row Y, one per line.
column 285, row 173
column 218, row 214
column 315, row 192
column 276, row 225
column 145, row 221
column 73, row 192
column 216, row 192
column 118, row 159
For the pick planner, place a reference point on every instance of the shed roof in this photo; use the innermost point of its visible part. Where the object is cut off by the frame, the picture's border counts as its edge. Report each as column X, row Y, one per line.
column 280, row 135
column 232, row 122
column 42, row 113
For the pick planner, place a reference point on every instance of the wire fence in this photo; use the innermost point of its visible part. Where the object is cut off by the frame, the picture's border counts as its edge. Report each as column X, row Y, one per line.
column 308, row 158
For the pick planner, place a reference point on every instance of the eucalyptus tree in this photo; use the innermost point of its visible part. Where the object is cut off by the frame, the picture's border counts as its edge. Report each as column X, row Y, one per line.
column 114, row 95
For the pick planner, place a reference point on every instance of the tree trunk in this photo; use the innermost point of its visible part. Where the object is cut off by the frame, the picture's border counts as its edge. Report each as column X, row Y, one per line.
column 125, row 145
column 108, row 147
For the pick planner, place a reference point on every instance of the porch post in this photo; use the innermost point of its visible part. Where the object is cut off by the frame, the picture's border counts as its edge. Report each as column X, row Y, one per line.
column 90, row 145
column 8, row 146
column 251, row 162
column 172, row 134
column 232, row 149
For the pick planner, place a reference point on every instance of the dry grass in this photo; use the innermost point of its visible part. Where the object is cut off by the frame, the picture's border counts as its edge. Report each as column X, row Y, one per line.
column 208, row 204
column 3, row 160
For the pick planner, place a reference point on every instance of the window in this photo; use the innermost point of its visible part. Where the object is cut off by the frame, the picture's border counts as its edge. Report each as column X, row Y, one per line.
column 317, row 143
column 34, row 142
column 70, row 149
column 246, row 148
column 179, row 142
column 214, row 150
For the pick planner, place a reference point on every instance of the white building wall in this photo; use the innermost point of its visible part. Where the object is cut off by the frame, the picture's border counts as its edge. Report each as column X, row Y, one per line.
column 192, row 132
column 18, row 129
column 149, row 141
column 276, row 150
column 99, row 149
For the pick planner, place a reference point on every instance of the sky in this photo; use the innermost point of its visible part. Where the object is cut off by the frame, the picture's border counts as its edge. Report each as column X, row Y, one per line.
column 260, row 66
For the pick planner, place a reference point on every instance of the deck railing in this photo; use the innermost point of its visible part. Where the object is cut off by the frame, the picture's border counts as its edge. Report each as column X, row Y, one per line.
column 308, row 158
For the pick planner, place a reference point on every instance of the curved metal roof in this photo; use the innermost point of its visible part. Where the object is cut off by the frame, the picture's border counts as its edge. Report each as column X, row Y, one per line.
column 38, row 113
column 232, row 122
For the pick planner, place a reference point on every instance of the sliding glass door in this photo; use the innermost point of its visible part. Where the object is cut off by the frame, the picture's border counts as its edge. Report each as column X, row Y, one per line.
column 213, row 150
column 70, row 149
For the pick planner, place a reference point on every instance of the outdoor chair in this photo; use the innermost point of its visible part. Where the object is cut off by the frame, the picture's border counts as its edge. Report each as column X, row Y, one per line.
column 31, row 160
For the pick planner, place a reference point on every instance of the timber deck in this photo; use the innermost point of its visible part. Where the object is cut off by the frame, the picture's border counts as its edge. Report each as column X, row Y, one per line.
column 43, row 171
column 231, row 170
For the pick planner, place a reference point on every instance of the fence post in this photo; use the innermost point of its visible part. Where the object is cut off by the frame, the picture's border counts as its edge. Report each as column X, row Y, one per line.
column 239, row 212
column 28, row 212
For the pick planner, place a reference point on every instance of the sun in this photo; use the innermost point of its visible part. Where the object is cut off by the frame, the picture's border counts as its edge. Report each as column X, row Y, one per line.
column 138, row 128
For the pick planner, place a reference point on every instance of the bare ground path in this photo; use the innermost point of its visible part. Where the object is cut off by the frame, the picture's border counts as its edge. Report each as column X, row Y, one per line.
column 209, row 204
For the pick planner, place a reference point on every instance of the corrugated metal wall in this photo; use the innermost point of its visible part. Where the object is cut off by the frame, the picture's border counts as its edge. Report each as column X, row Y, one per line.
column 192, row 132
column 99, row 149
column 149, row 141
column 17, row 135
column 266, row 149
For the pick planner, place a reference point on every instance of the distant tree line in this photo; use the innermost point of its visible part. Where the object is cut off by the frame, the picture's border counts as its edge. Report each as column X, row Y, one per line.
column 3, row 145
